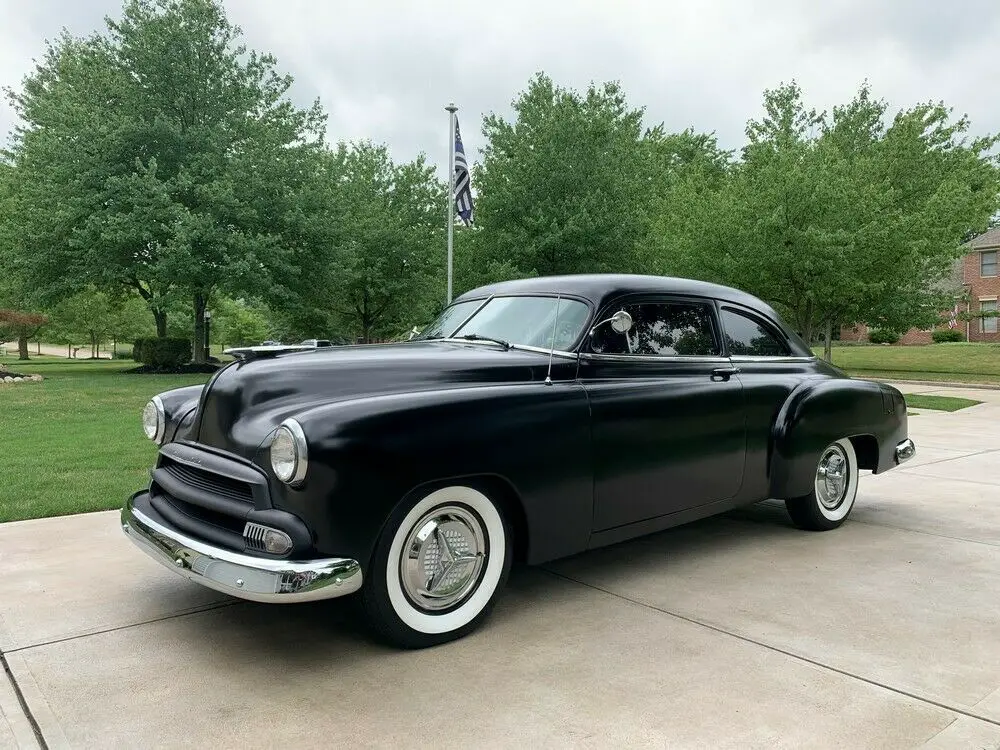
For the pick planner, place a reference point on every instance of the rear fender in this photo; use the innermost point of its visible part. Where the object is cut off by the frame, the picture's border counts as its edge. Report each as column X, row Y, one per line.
column 817, row 413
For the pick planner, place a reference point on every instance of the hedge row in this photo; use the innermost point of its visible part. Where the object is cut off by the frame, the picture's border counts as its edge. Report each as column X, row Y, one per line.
column 165, row 352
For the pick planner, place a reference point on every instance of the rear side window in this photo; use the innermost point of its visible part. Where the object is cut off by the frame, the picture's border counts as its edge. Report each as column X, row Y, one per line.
column 747, row 337
column 661, row 329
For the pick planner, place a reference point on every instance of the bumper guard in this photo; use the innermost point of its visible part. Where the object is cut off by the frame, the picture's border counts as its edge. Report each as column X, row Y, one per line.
column 905, row 451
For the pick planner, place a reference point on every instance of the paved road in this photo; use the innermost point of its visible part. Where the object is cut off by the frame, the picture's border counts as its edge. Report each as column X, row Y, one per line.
column 736, row 632
column 54, row 350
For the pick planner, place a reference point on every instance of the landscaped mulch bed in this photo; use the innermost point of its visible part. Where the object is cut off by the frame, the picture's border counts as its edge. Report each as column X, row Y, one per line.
column 189, row 369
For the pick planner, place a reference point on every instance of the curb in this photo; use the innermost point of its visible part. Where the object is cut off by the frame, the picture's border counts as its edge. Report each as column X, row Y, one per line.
column 941, row 383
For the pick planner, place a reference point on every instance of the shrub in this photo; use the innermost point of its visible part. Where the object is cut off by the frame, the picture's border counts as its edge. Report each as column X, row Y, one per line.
column 122, row 355
column 162, row 353
column 947, row 334
column 882, row 336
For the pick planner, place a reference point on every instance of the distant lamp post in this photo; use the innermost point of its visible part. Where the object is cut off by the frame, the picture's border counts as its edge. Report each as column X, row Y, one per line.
column 208, row 325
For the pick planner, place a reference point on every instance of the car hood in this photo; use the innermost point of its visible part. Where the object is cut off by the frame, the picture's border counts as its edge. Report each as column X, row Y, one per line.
column 246, row 401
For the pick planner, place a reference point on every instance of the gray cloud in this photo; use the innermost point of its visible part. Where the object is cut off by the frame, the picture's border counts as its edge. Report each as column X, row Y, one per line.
column 384, row 69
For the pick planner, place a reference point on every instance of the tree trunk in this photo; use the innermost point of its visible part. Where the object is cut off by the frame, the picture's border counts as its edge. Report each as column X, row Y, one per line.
column 22, row 347
column 199, row 328
column 160, row 316
column 807, row 324
column 828, row 340
column 38, row 347
column 365, row 322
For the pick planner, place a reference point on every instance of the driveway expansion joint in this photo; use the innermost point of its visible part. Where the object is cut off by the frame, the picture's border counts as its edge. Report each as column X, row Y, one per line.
column 101, row 631
column 39, row 738
column 954, row 708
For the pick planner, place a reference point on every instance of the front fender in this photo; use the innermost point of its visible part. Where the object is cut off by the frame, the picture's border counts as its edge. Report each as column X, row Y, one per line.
column 820, row 411
column 179, row 406
column 367, row 455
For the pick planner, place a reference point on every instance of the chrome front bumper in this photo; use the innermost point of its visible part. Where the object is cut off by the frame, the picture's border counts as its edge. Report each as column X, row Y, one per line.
column 905, row 451
column 256, row 578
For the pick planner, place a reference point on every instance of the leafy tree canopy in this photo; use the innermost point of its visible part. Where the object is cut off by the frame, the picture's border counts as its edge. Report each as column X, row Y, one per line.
column 837, row 217
column 161, row 156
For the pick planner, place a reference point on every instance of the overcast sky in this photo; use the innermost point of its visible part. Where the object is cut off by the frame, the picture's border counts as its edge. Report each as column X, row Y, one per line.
column 384, row 69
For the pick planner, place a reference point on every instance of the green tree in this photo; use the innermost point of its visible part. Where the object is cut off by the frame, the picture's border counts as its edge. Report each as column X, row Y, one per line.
column 238, row 322
column 20, row 316
column 837, row 217
column 162, row 157
column 380, row 264
column 86, row 316
column 569, row 184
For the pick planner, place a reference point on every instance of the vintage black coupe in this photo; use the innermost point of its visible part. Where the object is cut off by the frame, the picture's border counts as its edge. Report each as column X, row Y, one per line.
column 532, row 420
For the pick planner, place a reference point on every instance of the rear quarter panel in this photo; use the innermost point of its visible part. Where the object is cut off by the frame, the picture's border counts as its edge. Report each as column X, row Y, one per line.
column 820, row 411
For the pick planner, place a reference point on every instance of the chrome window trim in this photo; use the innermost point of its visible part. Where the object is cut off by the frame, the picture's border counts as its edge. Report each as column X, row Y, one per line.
column 775, row 358
column 655, row 358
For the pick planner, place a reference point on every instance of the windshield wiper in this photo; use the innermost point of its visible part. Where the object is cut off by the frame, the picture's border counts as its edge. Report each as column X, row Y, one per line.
column 477, row 337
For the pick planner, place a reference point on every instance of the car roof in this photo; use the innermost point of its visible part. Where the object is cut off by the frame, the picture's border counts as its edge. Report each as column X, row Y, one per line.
column 599, row 288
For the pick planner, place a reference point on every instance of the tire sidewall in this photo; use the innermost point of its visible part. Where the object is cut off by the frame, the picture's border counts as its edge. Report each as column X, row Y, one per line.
column 392, row 611
column 838, row 514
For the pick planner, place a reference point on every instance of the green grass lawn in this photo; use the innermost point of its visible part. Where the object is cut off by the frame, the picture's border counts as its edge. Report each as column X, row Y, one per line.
column 74, row 442
column 940, row 403
column 957, row 362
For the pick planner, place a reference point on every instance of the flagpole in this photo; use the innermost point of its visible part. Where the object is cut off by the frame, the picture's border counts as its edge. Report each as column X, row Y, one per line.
column 451, row 109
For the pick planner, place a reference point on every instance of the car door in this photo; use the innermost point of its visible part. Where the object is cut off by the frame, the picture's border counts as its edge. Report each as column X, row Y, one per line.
column 769, row 372
column 667, row 413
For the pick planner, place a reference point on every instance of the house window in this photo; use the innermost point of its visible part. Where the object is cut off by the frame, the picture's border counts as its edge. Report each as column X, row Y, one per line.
column 989, row 325
column 988, row 263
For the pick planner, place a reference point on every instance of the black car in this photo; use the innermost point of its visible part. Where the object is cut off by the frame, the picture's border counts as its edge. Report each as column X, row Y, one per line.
column 532, row 420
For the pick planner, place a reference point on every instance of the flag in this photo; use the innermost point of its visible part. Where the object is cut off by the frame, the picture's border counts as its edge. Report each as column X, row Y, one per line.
column 463, row 182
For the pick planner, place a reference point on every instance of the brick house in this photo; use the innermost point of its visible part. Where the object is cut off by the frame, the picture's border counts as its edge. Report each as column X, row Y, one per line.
column 976, row 282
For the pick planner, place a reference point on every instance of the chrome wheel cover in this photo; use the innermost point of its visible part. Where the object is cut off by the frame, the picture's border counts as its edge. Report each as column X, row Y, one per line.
column 833, row 477
column 442, row 558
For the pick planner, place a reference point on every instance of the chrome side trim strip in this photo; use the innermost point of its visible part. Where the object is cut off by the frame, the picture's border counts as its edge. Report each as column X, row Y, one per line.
column 255, row 578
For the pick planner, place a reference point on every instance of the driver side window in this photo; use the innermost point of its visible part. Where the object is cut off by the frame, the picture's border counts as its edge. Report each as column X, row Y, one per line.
column 661, row 329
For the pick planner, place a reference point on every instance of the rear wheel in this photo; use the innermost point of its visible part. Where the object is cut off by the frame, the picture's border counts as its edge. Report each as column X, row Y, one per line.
column 835, row 487
column 438, row 568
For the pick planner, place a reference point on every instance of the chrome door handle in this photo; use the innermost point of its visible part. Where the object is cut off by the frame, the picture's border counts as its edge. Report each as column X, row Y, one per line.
column 724, row 373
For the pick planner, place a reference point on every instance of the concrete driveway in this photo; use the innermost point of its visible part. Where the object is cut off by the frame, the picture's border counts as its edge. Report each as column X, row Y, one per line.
column 735, row 632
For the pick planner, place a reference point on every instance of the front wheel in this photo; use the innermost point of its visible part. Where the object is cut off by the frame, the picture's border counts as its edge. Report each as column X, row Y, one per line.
column 835, row 488
column 438, row 568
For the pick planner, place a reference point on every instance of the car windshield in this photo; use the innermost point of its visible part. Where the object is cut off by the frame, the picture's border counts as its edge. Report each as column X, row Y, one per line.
column 525, row 321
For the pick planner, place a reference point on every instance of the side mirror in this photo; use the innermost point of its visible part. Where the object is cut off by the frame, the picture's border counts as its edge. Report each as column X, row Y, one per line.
column 621, row 322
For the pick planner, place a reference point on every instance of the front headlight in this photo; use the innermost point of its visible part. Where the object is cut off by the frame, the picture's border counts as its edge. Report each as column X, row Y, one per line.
column 154, row 421
column 289, row 458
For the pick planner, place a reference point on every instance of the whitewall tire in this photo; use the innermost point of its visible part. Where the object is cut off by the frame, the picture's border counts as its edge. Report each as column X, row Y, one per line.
column 835, row 488
column 438, row 567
